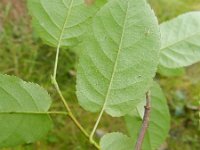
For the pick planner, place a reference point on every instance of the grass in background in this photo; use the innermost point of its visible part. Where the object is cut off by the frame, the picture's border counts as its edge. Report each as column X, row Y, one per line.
column 24, row 55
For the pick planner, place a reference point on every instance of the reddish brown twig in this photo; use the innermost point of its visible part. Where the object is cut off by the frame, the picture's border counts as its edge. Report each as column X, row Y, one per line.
column 145, row 122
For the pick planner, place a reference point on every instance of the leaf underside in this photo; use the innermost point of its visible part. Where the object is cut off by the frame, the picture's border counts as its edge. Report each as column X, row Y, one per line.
column 171, row 72
column 60, row 23
column 180, row 41
column 116, row 141
column 22, row 111
column 120, row 57
column 159, row 120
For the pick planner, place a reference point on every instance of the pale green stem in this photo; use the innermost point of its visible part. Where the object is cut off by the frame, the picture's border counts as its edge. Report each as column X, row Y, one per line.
column 56, row 61
column 60, row 39
column 96, row 125
column 70, row 114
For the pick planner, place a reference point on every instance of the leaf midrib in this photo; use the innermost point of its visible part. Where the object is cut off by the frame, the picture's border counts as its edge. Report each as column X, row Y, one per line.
column 181, row 40
column 116, row 60
column 65, row 23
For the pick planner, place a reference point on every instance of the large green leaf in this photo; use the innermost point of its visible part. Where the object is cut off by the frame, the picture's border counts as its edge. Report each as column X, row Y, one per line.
column 23, row 111
column 116, row 141
column 180, row 41
column 171, row 72
column 159, row 120
column 120, row 57
column 60, row 22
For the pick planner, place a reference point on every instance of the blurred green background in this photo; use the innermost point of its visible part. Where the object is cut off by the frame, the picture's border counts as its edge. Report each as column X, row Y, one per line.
column 23, row 54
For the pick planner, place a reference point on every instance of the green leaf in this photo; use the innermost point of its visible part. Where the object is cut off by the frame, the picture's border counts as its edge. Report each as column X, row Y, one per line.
column 116, row 141
column 171, row 72
column 23, row 111
column 159, row 120
column 180, row 41
column 120, row 57
column 60, row 22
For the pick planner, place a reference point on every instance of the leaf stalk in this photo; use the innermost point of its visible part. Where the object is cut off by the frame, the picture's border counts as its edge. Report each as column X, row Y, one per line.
column 71, row 115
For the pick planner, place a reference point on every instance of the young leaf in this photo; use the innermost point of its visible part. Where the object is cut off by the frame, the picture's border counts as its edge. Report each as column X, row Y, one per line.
column 120, row 57
column 60, row 22
column 23, row 111
column 180, row 41
column 159, row 120
column 116, row 141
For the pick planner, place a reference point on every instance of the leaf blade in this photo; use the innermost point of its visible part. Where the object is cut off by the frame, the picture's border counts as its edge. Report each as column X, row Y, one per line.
column 106, row 65
column 180, row 41
column 171, row 72
column 116, row 141
column 59, row 22
column 19, row 96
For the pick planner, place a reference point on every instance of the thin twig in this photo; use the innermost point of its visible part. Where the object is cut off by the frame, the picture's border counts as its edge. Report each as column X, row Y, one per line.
column 145, row 122
column 71, row 115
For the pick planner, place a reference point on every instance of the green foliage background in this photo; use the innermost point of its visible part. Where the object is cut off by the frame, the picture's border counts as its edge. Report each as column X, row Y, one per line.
column 24, row 55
